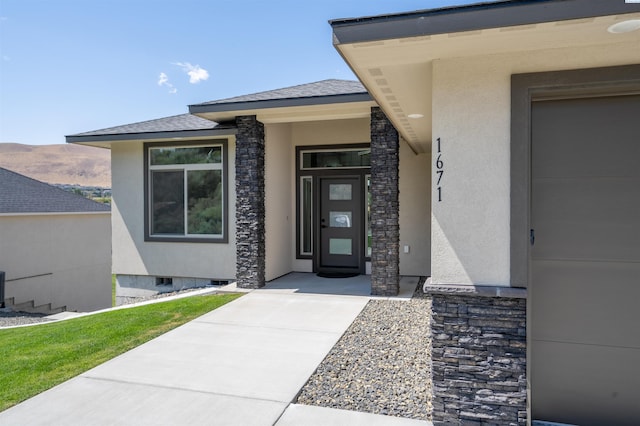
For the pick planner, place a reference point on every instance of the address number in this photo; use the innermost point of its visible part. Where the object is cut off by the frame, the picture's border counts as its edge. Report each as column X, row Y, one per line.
column 439, row 169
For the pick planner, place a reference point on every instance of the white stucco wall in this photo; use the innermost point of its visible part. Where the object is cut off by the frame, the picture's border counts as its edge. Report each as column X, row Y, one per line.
column 415, row 212
column 132, row 255
column 68, row 256
column 280, row 217
column 471, row 114
column 331, row 132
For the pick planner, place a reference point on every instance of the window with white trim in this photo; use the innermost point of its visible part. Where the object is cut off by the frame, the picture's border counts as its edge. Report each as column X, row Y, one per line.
column 186, row 192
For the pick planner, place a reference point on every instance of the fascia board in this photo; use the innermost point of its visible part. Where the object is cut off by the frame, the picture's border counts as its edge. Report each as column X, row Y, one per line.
column 278, row 103
column 472, row 18
column 152, row 135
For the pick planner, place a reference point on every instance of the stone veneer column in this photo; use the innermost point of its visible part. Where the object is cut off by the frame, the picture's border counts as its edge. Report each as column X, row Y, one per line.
column 479, row 355
column 250, row 210
column 385, row 227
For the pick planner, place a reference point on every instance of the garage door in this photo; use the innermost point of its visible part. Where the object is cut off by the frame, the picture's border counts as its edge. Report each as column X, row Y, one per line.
column 585, row 307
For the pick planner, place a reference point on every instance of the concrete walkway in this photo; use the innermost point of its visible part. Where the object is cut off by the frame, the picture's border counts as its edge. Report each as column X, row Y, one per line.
column 242, row 364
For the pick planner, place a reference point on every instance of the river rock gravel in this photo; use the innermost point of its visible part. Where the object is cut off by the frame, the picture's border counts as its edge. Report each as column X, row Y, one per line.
column 9, row 318
column 382, row 363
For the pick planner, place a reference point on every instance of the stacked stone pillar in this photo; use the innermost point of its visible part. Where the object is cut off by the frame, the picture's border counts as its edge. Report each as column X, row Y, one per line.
column 250, row 209
column 479, row 355
column 385, row 227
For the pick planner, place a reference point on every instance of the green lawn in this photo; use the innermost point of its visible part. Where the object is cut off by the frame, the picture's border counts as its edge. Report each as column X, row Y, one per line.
column 39, row 357
column 113, row 290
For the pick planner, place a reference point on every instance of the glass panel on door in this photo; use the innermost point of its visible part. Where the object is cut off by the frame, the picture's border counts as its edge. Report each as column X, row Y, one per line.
column 340, row 219
column 341, row 246
column 340, row 192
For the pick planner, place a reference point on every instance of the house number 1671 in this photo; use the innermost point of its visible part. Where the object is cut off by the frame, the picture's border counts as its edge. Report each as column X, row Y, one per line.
column 439, row 170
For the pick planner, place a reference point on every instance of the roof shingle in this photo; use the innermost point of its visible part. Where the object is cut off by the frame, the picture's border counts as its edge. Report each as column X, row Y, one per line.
column 164, row 127
column 21, row 194
column 174, row 123
column 309, row 90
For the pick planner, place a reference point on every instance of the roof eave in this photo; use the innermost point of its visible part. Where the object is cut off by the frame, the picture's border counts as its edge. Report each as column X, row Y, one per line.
column 183, row 134
column 279, row 103
column 70, row 213
column 472, row 17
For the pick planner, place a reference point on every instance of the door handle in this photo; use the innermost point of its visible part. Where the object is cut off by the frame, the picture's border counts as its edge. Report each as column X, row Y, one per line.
column 322, row 225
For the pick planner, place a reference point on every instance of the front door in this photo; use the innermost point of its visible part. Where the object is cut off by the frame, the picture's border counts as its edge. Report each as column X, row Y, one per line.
column 340, row 224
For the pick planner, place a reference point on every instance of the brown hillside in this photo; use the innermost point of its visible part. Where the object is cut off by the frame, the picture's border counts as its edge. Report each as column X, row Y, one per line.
column 63, row 164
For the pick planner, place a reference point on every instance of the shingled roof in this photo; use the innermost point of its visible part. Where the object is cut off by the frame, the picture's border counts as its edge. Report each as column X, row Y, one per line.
column 190, row 125
column 310, row 90
column 21, row 194
column 167, row 124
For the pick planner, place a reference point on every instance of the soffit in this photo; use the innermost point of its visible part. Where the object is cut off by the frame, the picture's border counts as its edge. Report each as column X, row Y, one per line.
column 292, row 114
column 397, row 72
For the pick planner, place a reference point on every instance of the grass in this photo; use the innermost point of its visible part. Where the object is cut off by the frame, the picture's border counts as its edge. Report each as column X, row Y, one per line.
column 37, row 358
column 113, row 290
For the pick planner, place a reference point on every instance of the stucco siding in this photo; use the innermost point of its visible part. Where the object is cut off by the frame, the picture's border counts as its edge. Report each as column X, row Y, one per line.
column 134, row 256
column 280, row 216
column 471, row 116
column 331, row 132
column 67, row 256
column 415, row 212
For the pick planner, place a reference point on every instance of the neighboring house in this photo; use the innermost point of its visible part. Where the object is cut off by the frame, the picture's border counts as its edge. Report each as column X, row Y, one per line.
column 55, row 247
column 493, row 147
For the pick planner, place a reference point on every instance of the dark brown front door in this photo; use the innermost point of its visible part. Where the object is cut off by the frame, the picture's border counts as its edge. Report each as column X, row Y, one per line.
column 340, row 230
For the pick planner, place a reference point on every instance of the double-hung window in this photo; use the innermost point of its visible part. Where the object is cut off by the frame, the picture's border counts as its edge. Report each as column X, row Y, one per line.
column 186, row 192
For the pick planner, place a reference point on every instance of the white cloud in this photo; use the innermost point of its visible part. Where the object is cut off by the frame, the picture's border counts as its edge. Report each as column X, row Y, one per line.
column 195, row 72
column 163, row 80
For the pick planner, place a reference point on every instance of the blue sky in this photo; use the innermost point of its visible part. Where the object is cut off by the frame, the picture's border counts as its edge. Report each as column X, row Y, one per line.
column 69, row 66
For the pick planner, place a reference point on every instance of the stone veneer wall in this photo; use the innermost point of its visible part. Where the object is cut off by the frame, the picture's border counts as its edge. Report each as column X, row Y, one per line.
column 250, row 210
column 385, row 227
column 479, row 355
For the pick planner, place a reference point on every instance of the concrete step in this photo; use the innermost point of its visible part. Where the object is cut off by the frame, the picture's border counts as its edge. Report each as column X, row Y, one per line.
column 30, row 307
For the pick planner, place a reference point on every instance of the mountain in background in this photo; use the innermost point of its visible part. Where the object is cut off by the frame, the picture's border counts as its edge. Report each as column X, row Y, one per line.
column 59, row 164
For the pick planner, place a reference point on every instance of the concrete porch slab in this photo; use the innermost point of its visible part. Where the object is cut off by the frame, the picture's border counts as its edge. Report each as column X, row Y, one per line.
column 302, row 312
column 303, row 282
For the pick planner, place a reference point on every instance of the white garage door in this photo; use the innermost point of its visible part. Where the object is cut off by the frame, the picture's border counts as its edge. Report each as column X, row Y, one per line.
column 585, row 332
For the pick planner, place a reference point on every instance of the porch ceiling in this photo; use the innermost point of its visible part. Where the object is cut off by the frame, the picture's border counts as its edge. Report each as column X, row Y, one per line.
column 291, row 114
column 397, row 71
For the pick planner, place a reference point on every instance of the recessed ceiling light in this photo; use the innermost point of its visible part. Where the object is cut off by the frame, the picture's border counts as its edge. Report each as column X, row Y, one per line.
column 624, row 26
column 415, row 115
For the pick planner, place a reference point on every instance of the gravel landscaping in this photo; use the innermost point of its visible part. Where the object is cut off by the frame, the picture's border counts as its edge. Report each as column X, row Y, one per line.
column 10, row 319
column 130, row 300
column 382, row 363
